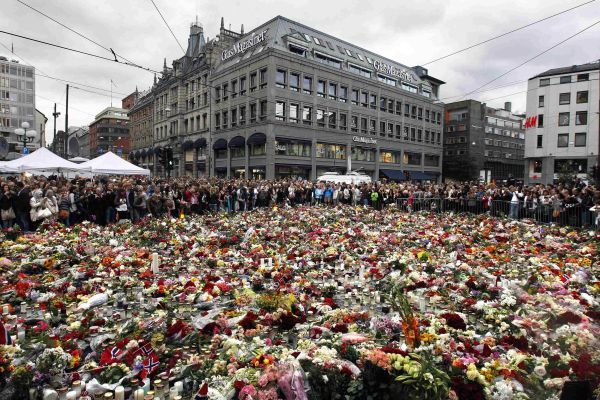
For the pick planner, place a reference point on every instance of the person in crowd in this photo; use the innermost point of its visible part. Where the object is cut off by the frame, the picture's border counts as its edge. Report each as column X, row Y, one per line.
column 7, row 213
column 21, row 206
column 64, row 208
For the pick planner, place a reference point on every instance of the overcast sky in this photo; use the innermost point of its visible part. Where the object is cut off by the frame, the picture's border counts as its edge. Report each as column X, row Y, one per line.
column 410, row 32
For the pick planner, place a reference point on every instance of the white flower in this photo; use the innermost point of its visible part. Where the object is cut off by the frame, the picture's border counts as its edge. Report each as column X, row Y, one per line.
column 539, row 370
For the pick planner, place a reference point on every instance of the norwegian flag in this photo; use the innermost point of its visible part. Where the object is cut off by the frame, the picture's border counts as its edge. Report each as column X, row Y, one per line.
column 202, row 392
column 149, row 365
column 146, row 349
column 110, row 355
column 4, row 335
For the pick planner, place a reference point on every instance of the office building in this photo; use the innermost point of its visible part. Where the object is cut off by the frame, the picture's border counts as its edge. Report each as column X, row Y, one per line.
column 109, row 132
column 483, row 143
column 286, row 100
column 17, row 105
column 562, row 123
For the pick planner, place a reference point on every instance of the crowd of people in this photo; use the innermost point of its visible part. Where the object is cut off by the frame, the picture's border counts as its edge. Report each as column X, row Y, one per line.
column 29, row 201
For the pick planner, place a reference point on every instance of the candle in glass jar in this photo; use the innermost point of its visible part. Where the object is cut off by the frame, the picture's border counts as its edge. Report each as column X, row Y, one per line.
column 72, row 395
column 154, row 264
column 179, row 386
column 138, row 394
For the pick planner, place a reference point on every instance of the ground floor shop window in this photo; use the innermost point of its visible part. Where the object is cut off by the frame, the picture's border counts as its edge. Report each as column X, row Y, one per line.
column 257, row 173
column 238, row 173
column 334, row 151
column 412, row 158
column 295, row 148
column 292, row 172
column 362, row 154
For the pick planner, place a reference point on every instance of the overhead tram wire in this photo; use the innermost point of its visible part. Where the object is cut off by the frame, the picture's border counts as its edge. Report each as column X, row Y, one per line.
column 110, row 50
column 506, row 33
column 488, row 90
column 167, row 24
column 44, row 75
column 80, row 51
column 532, row 58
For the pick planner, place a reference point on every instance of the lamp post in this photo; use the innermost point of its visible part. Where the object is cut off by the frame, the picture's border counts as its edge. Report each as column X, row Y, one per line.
column 26, row 133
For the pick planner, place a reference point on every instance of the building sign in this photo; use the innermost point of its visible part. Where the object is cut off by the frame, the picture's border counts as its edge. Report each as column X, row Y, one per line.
column 531, row 122
column 366, row 140
column 279, row 147
column 404, row 75
column 244, row 45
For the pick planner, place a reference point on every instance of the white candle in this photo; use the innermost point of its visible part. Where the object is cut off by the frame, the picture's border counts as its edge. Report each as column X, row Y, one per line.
column 179, row 386
column 422, row 304
column 154, row 264
column 5, row 310
column 139, row 394
column 50, row 394
column 72, row 395
column 32, row 394
column 119, row 393
column 20, row 334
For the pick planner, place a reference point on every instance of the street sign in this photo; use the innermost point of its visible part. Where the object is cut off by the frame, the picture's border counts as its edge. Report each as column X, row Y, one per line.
column 119, row 151
column 25, row 151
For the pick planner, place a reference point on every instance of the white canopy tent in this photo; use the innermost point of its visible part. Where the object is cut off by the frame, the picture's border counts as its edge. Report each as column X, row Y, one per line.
column 111, row 164
column 41, row 161
column 5, row 168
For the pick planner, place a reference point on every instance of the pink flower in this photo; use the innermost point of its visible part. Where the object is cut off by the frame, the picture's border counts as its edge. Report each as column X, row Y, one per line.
column 248, row 392
column 269, row 394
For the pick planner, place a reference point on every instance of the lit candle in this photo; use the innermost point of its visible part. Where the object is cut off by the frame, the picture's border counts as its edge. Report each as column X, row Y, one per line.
column 119, row 393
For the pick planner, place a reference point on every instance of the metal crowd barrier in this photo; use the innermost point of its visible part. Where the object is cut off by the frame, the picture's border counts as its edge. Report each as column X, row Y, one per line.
column 575, row 215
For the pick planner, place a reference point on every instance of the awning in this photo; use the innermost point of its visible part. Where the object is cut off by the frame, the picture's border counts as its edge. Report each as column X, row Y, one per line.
column 237, row 141
column 200, row 143
column 157, row 149
column 142, row 153
column 188, row 144
column 257, row 138
column 393, row 174
column 420, row 176
column 220, row 144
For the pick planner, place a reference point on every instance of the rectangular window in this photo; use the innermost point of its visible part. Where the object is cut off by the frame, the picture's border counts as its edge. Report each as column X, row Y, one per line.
column 355, row 96
column 390, row 107
column 359, row 71
column 217, row 94
column 541, row 101
column 413, row 134
column 279, row 110
column 580, row 139
column 343, row 121
column 217, row 121
column 332, row 119
column 242, row 85
column 225, row 119
column 234, row 89
column 565, row 79
column 234, row 117
column 364, row 99
column 398, row 131
column 405, row 130
column 583, row 77
column 406, row 110
column 242, row 115
column 398, row 108
column 333, row 151
column 540, row 141
column 225, row 91
column 321, row 88
column 564, row 98
column 382, row 128
column 420, row 113
column 280, row 78
column 390, row 129
column 363, row 154
column 540, row 120
column 581, row 118
column 545, row 82
column 392, row 157
column 320, row 117
column 432, row 160
column 293, row 148
column 372, row 127
column 293, row 113
column 253, row 112
column 410, row 88
column 412, row 158
column 413, row 112
column 382, row 103
column 563, row 119
column 327, row 60
column 253, row 82
column 294, row 82
column 332, row 91
column 354, row 123
column 263, row 78
column 363, row 125
column 582, row 97
column 307, row 85
column 343, row 94
column 373, row 101
column 307, row 115
column 419, row 135
column 563, row 140
column 263, row 110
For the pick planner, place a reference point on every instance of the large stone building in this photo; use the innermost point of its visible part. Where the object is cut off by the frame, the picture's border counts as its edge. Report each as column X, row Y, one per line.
column 17, row 105
column 287, row 100
column 483, row 143
column 109, row 132
column 562, row 123
column 141, row 130
column 78, row 143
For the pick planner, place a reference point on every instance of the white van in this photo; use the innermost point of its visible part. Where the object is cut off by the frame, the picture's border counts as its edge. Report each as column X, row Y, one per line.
column 349, row 178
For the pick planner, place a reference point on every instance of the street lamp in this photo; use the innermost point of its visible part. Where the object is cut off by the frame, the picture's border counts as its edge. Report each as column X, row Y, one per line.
column 26, row 133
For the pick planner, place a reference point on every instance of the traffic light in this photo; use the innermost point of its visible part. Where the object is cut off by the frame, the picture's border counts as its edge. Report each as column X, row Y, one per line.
column 169, row 158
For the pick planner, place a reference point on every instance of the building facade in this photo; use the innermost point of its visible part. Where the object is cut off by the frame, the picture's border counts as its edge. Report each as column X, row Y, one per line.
column 109, row 132
column 40, row 126
column 285, row 100
column 483, row 143
column 78, row 143
column 141, row 130
column 17, row 105
column 562, row 123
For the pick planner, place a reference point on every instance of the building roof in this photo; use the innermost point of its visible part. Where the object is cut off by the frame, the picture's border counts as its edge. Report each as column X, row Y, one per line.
column 280, row 31
column 570, row 69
